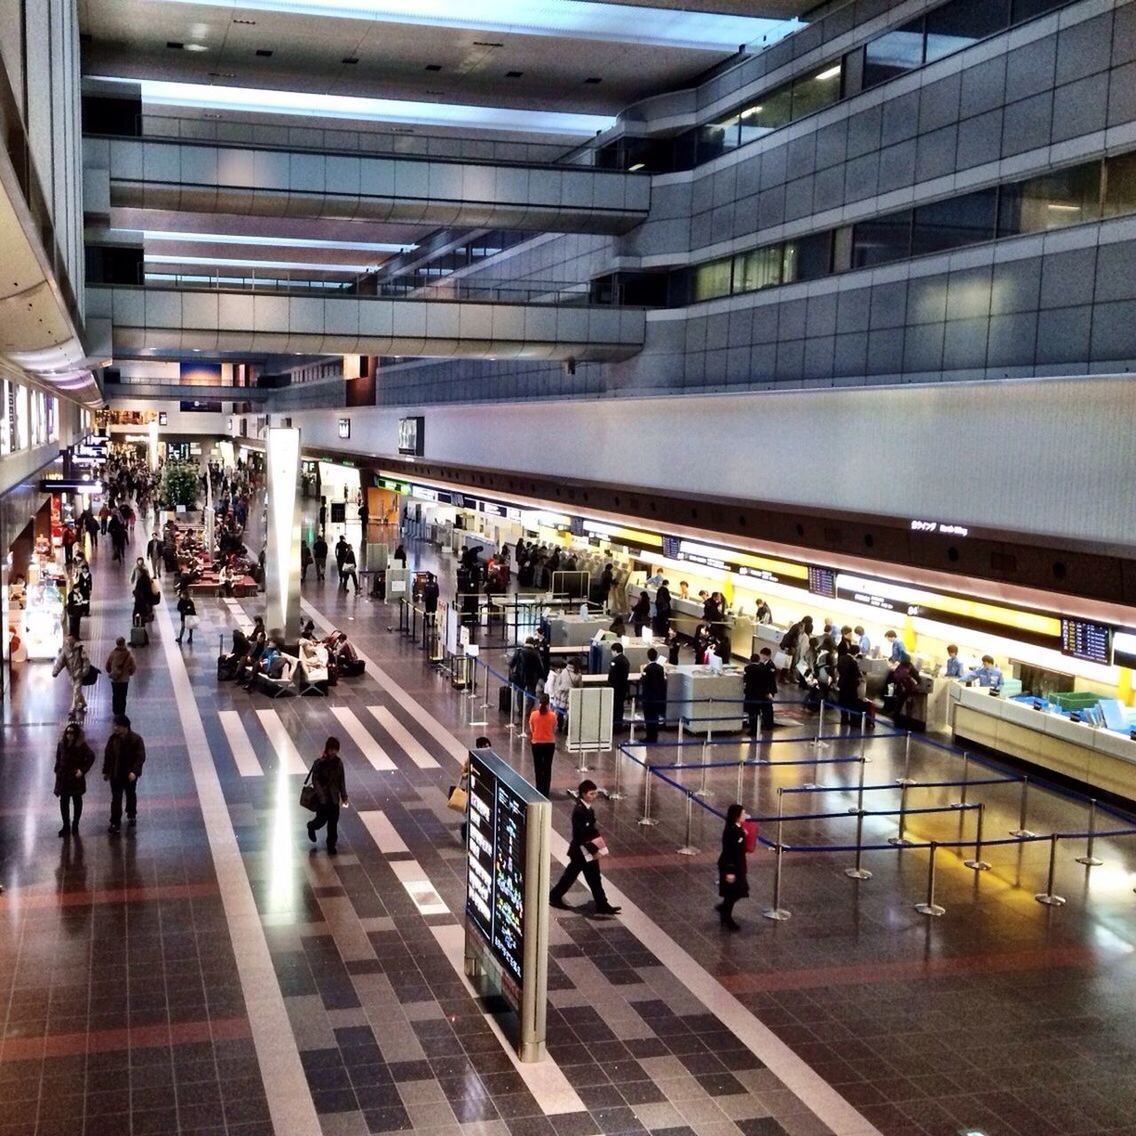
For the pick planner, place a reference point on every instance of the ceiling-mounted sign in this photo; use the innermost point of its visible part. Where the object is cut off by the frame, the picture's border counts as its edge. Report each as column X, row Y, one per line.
column 412, row 436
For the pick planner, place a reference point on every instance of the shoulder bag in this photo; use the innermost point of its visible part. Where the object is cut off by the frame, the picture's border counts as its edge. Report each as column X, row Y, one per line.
column 309, row 794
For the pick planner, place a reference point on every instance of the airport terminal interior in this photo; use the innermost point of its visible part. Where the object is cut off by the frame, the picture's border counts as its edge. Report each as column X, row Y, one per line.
column 753, row 379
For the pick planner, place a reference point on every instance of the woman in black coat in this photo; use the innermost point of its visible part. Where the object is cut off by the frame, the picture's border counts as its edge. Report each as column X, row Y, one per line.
column 732, row 883
column 186, row 609
column 73, row 760
column 331, row 787
column 641, row 613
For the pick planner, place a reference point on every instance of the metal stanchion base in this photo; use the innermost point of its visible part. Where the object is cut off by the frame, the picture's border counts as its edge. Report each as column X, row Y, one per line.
column 906, row 781
column 778, row 914
column 687, row 851
column 1022, row 834
column 818, row 785
column 1050, row 900
column 703, row 793
column 977, row 865
column 858, row 873
column 647, row 822
column 898, row 841
column 1089, row 861
column 930, row 909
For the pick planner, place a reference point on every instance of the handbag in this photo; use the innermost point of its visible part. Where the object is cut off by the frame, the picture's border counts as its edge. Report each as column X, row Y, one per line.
column 309, row 794
column 457, row 799
column 155, row 590
column 750, row 827
column 90, row 675
column 192, row 622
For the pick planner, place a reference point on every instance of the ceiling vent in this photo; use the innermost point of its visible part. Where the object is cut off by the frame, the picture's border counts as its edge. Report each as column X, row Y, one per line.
column 174, row 45
column 433, row 67
column 513, row 74
column 264, row 52
column 351, row 60
column 593, row 79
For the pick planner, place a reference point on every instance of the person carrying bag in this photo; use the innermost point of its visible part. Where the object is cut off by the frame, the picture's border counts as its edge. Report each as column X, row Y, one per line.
column 329, row 793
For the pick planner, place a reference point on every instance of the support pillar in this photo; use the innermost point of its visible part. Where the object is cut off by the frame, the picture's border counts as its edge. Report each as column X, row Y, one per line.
column 282, row 557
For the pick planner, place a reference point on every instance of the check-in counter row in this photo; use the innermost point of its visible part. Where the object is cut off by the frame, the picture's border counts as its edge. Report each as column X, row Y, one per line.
column 1102, row 759
column 686, row 615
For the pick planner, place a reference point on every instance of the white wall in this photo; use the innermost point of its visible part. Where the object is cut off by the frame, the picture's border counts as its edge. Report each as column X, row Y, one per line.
column 1053, row 457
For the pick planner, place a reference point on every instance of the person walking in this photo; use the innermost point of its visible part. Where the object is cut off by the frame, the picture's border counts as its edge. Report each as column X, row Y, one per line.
column 143, row 592
column 341, row 547
column 732, row 883
column 542, row 739
column 120, row 665
column 188, row 612
column 584, row 850
column 122, row 766
column 330, row 783
column 305, row 560
column 319, row 555
column 347, row 570
column 73, row 760
column 154, row 555
column 653, row 687
column 73, row 659
column 76, row 606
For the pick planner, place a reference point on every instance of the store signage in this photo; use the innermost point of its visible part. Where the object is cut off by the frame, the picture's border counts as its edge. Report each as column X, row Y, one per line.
column 423, row 493
column 1082, row 639
column 163, row 418
column 496, row 872
column 939, row 527
column 412, row 436
column 344, row 425
column 394, row 486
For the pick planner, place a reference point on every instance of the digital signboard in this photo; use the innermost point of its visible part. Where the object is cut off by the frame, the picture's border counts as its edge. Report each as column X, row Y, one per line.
column 1082, row 639
column 822, row 581
column 507, row 877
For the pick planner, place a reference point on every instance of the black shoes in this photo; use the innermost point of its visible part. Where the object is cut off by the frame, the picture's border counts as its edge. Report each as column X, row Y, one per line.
column 311, row 833
column 558, row 903
column 332, row 850
column 64, row 831
column 132, row 821
column 74, row 828
column 114, row 829
column 607, row 909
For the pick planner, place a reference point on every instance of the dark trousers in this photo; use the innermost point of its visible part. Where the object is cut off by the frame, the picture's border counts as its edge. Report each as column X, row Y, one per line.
column 578, row 862
column 619, row 703
column 74, row 624
column 542, row 766
column 653, row 714
column 117, row 789
column 328, row 814
column 347, row 572
column 118, row 697
column 321, row 567
column 66, row 802
column 754, row 710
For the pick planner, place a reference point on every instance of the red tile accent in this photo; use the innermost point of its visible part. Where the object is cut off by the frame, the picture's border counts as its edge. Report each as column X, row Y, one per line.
column 41, row 896
column 136, row 1037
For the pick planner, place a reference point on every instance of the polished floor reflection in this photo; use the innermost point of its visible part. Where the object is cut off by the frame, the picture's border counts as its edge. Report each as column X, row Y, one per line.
column 135, row 999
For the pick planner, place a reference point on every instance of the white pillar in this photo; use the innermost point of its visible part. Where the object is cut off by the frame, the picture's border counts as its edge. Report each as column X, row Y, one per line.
column 153, row 448
column 282, row 557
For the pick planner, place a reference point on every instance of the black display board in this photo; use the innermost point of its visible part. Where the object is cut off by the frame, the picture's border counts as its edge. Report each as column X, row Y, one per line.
column 1082, row 639
column 496, row 847
column 822, row 581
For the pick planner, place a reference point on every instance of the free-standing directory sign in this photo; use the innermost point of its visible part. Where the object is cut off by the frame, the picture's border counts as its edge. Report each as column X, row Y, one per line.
column 506, row 938
column 590, row 713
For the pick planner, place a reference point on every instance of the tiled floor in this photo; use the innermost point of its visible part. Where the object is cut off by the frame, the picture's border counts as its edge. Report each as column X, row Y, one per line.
column 208, row 972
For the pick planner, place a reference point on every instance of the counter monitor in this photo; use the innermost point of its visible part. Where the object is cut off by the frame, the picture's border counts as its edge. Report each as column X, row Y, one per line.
column 1082, row 639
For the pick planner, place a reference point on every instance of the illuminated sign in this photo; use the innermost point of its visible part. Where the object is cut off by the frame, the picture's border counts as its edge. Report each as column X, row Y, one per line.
column 344, row 427
column 940, row 527
column 412, row 436
column 822, row 581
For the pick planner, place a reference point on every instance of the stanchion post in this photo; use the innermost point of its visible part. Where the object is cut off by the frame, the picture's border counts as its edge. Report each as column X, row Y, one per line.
column 631, row 722
column 776, row 911
column 905, row 779
column 1022, row 832
column 1088, row 859
column 741, row 772
column 859, row 872
column 1049, row 897
column 646, row 820
column 961, row 802
column 900, row 840
column 702, row 791
column 976, row 863
column 681, row 738
column 688, row 848
column 929, row 906
column 617, row 793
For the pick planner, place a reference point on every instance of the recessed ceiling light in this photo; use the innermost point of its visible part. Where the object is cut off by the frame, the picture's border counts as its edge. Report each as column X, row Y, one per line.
column 263, row 52
column 433, row 67
column 174, row 45
column 828, row 73
column 593, row 79
column 513, row 74
column 247, row 23
column 280, row 242
column 351, row 60
column 196, row 47
column 278, row 265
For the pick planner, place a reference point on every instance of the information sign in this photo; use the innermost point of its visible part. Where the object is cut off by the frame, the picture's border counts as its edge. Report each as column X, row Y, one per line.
column 822, row 581
column 1082, row 639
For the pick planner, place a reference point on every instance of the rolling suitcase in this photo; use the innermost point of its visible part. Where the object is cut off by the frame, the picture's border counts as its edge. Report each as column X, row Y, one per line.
column 139, row 636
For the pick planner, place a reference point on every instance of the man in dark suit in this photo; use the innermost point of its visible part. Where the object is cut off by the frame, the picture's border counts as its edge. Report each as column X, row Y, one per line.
column 654, row 694
column 618, row 677
column 759, row 688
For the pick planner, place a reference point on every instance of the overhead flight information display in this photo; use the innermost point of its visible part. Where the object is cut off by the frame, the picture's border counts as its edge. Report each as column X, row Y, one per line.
column 1082, row 639
column 822, row 581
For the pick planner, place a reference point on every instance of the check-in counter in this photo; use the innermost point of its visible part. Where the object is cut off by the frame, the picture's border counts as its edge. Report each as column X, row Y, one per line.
column 704, row 701
column 575, row 630
column 686, row 615
column 1102, row 759
column 599, row 655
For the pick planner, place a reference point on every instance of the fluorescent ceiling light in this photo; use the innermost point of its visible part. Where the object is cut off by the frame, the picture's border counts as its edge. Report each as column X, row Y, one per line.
column 830, row 73
column 272, row 242
column 236, row 281
column 637, row 166
column 306, row 105
column 581, row 19
column 277, row 265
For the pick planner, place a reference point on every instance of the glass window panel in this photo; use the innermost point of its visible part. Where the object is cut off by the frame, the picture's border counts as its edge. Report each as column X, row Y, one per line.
column 951, row 224
column 1120, row 185
column 894, row 53
column 711, row 280
column 1026, row 9
column 882, row 240
column 759, row 268
column 717, row 138
column 1057, row 200
column 767, row 113
column 962, row 22
column 808, row 258
column 820, row 89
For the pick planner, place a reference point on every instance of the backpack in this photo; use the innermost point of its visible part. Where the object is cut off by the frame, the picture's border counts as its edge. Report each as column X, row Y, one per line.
column 789, row 639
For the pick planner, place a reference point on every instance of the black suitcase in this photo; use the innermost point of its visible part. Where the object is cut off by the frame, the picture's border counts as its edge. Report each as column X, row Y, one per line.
column 505, row 700
column 139, row 637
